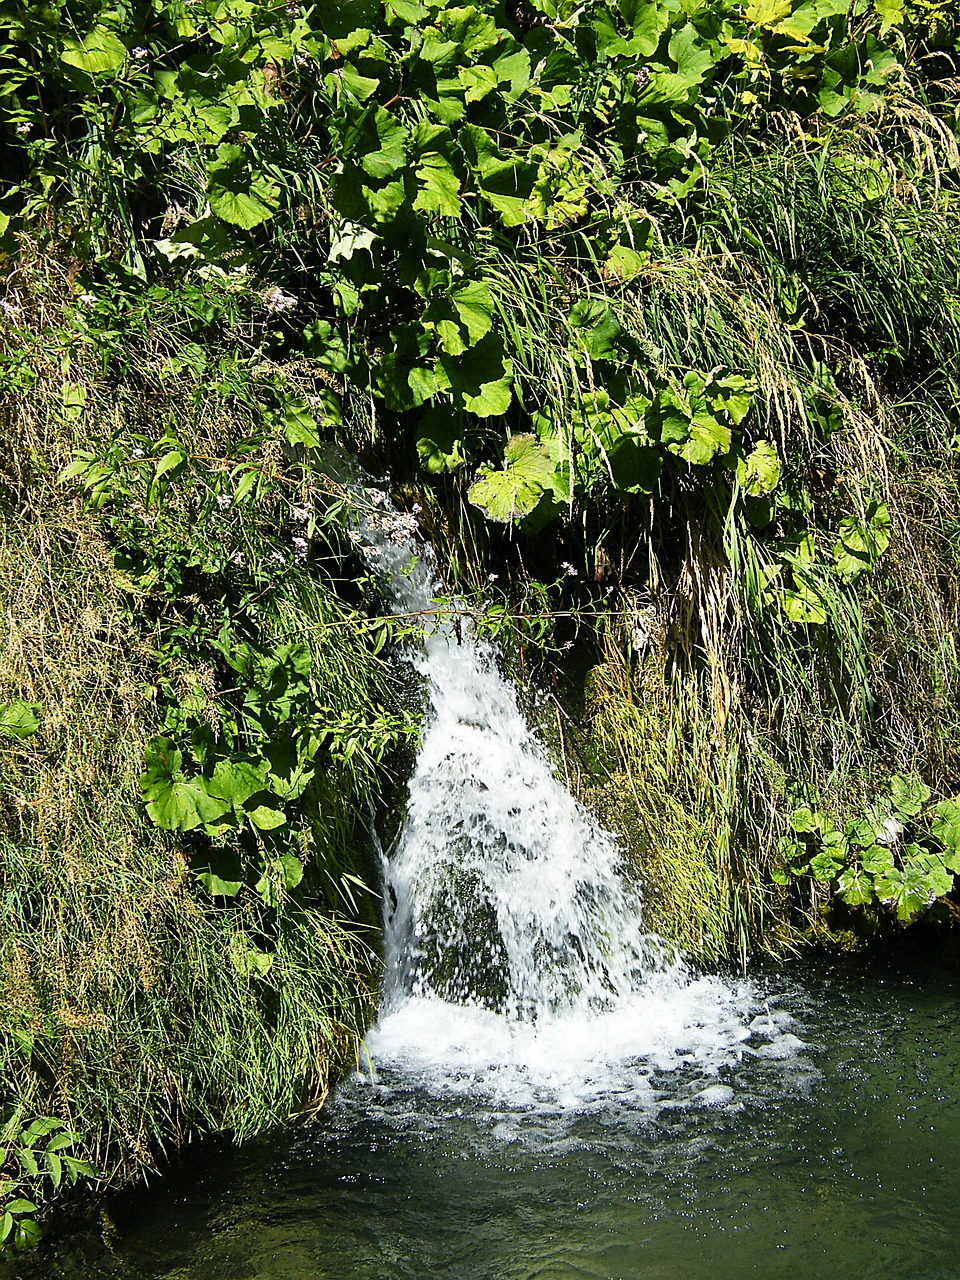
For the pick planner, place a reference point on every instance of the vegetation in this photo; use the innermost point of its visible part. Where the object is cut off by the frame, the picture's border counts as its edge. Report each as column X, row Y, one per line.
column 676, row 280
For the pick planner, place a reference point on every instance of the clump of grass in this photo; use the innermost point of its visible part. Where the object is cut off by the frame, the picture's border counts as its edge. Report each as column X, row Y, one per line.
column 135, row 1008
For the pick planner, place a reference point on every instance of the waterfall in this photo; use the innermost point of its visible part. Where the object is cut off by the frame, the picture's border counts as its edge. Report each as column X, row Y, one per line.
column 517, row 964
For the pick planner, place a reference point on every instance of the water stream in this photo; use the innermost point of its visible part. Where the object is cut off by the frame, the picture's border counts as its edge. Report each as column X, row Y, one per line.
column 518, row 968
column 551, row 1094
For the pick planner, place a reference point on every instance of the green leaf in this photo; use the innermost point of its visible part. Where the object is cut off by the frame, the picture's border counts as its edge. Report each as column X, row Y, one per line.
column 890, row 13
column 292, row 870
column 877, row 860
column 767, row 13
column 559, row 193
column 826, row 865
column 478, row 81
column 239, row 208
column 804, row 819
column 26, row 1235
column 78, row 1168
column 174, row 801
column 708, row 437
column 862, row 832
column 280, row 875
column 514, row 492
column 946, row 828
column 358, row 86
column 98, row 52
column 54, row 1167
column 691, row 52
column 266, row 818
column 217, row 887
column 39, row 1128
column 390, row 156
column 906, row 891
column 504, row 181
column 182, row 804
column 170, row 461
column 937, row 879
column 854, row 888
column 908, row 795
column 759, row 472
column 862, row 542
column 649, row 21
column 473, row 303
column 439, row 186
column 19, row 719
column 482, row 377
column 597, row 328
column 635, row 464
column 440, row 440
column 624, row 263
column 235, row 780
column 237, row 194
column 804, row 604
column 20, row 1206
column 300, row 425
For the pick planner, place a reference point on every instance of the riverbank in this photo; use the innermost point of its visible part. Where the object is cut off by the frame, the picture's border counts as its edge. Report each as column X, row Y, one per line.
column 647, row 320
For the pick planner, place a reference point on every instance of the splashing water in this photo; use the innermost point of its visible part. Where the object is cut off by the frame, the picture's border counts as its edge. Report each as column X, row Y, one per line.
column 517, row 965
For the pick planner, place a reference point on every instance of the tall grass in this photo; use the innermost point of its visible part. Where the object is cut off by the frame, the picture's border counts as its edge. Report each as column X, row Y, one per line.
column 828, row 273
column 133, row 1007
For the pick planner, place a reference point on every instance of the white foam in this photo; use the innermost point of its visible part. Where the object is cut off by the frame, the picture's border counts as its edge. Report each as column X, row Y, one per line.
column 518, row 968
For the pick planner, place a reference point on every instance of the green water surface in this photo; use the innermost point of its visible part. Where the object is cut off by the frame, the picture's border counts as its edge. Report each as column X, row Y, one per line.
column 844, row 1162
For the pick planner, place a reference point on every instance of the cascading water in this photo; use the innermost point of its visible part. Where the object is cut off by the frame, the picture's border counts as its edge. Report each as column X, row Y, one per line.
column 517, row 965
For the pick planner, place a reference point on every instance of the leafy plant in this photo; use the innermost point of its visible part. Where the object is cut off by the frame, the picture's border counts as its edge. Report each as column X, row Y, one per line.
column 897, row 853
column 35, row 1159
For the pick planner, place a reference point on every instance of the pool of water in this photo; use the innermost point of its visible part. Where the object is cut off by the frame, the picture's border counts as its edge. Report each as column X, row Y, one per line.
column 836, row 1154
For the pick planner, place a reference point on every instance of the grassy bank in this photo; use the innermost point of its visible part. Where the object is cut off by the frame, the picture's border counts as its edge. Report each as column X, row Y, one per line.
column 651, row 312
column 164, row 977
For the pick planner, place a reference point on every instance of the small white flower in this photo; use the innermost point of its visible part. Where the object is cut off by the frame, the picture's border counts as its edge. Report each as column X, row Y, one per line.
column 24, row 129
column 223, row 501
column 301, row 514
column 355, row 536
column 416, row 509
column 278, row 556
column 87, row 299
column 8, row 307
column 567, row 645
column 299, row 548
column 139, row 52
column 136, row 453
column 608, row 591
column 237, row 558
column 276, row 301
column 569, row 570
column 492, row 577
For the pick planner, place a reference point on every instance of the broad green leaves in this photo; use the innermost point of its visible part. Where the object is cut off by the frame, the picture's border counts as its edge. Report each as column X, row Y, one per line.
column 862, row 540
column 872, row 860
column 175, row 801
column 35, row 1158
column 560, row 192
column 514, row 492
column 237, row 194
column 101, row 51
column 439, row 186
column 19, row 719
